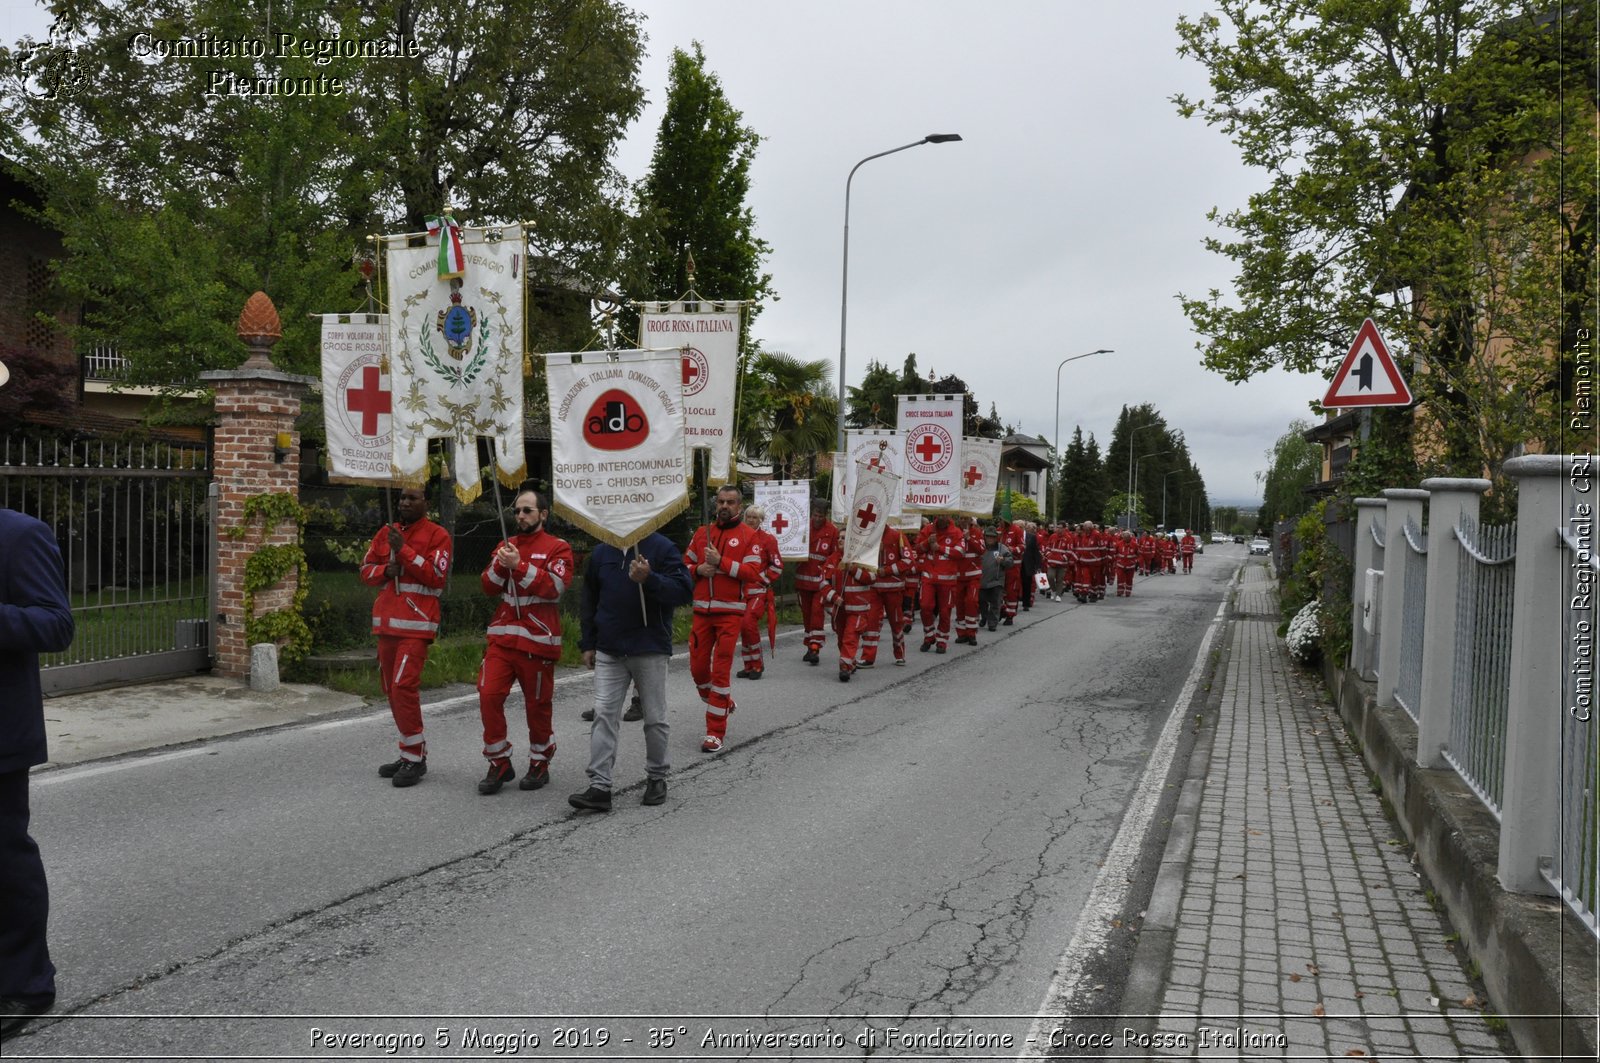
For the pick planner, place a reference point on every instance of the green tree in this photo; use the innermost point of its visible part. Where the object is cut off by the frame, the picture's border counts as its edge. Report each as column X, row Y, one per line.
column 1081, row 492
column 788, row 413
column 1294, row 465
column 694, row 199
column 1116, row 509
column 174, row 204
column 1429, row 163
column 875, row 403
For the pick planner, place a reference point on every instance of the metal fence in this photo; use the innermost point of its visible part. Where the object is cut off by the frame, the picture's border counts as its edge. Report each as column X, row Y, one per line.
column 1480, row 691
column 1408, row 688
column 1365, row 636
column 134, row 523
column 1576, row 876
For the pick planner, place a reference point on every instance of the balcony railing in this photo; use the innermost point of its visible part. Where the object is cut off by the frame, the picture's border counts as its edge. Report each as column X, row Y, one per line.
column 105, row 363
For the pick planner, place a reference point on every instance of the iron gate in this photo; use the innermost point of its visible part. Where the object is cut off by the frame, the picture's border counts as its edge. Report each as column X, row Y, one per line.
column 134, row 521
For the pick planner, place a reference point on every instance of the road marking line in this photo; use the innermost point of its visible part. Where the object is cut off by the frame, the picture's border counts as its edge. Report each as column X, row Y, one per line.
column 1111, row 885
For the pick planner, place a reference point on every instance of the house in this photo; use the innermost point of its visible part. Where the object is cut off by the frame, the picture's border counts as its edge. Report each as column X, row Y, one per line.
column 1025, row 467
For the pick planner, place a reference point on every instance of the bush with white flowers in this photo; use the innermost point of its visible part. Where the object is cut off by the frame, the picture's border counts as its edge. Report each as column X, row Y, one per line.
column 1304, row 637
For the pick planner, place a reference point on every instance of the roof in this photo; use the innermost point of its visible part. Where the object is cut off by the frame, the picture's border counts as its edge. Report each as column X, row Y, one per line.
column 1333, row 428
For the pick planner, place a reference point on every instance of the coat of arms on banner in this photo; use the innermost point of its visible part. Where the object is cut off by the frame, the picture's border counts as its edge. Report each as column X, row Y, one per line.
column 930, row 429
column 876, row 447
column 356, row 398
column 868, row 515
column 616, row 440
column 980, row 475
column 706, row 339
column 788, row 506
column 456, row 349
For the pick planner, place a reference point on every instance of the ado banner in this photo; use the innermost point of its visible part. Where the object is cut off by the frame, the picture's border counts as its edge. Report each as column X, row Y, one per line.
column 455, row 350
column 980, row 475
column 930, row 426
column 869, row 513
column 616, row 441
column 707, row 341
column 878, row 447
column 356, row 400
column 788, row 506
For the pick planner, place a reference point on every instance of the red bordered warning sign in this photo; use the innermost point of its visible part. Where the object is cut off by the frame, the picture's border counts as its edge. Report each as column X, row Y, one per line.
column 1368, row 375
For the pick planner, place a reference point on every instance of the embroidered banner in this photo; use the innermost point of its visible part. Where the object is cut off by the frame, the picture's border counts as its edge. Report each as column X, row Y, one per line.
column 356, row 400
column 456, row 352
column 980, row 476
column 867, row 446
column 930, row 426
column 616, row 441
column 869, row 513
column 707, row 340
column 788, row 506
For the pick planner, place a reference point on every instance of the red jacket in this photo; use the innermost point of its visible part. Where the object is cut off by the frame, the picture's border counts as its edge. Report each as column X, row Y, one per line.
column 529, row 617
column 1127, row 555
column 945, row 551
column 1186, row 546
column 972, row 550
column 809, row 575
column 765, row 546
column 408, row 607
column 738, row 567
column 891, row 562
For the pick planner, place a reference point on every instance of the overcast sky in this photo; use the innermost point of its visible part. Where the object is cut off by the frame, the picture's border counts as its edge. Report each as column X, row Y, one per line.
column 1068, row 218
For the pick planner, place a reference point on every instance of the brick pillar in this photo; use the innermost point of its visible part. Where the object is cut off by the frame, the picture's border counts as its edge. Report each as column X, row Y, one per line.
column 254, row 403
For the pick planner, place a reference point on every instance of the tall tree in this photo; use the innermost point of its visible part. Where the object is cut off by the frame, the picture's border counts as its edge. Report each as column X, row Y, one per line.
column 787, row 413
column 1082, row 493
column 181, row 185
column 695, row 195
column 1293, row 465
column 1429, row 163
column 874, row 404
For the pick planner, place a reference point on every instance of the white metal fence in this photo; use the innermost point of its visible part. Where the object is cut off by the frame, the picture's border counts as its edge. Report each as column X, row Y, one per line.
column 1482, row 680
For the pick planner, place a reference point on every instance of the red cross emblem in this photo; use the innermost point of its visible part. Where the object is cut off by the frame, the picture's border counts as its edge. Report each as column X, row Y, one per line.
column 778, row 524
column 369, row 400
column 690, row 371
column 865, row 516
column 974, row 474
column 929, row 449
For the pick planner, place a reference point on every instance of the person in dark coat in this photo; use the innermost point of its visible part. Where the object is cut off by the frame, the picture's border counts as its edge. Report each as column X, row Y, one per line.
column 1032, row 562
column 35, row 618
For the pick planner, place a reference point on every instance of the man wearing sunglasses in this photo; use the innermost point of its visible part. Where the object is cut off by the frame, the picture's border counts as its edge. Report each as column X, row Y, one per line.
column 410, row 561
column 725, row 561
column 528, row 573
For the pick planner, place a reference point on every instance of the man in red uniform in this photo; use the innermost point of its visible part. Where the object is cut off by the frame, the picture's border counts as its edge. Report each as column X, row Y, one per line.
column 1085, row 582
column 1127, row 559
column 967, row 594
column 410, row 561
column 942, row 545
column 1013, row 536
column 888, row 585
column 1169, row 553
column 758, row 596
column 1186, row 549
column 528, row 573
column 1054, row 545
column 725, row 561
column 808, row 578
column 1147, row 554
column 848, row 597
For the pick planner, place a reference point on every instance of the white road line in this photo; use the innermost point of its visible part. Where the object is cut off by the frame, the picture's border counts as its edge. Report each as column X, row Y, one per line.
column 1111, row 885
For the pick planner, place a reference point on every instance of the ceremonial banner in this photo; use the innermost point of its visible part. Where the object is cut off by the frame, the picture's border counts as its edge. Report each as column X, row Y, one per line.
column 788, row 506
column 356, row 400
column 707, row 341
column 980, row 475
column 866, row 446
column 930, row 426
column 616, row 441
column 456, row 350
column 843, row 484
column 869, row 509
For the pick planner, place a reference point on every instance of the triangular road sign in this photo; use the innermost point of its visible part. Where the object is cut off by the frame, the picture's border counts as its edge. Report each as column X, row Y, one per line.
column 1368, row 376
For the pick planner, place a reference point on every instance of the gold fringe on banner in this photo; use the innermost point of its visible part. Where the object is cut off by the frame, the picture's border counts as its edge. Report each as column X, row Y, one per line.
column 610, row 537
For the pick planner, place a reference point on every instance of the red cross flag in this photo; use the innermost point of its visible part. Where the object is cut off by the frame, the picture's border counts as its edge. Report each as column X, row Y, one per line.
column 788, row 506
column 878, row 447
column 705, row 336
column 869, row 507
column 930, row 427
column 356, row 400
column 980, row 475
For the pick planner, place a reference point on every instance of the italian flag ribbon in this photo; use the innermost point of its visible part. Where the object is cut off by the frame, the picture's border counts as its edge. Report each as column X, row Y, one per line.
column 452, row 259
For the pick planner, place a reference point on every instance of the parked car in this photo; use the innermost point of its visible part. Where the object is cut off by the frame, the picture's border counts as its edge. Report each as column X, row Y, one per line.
column 1260, row 546
column 1218, row 537
column 1238, row 540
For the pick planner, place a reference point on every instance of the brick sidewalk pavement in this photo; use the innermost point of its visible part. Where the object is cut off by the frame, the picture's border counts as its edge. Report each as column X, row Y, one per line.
column 1303, row 928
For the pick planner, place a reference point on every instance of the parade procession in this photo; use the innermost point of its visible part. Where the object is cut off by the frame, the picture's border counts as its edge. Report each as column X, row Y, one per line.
column 906, row 540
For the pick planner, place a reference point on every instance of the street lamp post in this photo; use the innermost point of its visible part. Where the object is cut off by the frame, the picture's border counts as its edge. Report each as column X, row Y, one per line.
column 1164, row 476
column 1128, row 498
column 844, row 297
column 1049, row 513
column 1152, row 454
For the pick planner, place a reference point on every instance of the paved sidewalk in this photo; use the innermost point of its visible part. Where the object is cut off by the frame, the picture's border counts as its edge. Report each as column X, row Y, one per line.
column 1301, row 927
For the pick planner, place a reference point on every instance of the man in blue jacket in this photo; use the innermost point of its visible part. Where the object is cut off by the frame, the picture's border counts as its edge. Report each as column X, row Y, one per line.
column 35, row 618
column 626, row 621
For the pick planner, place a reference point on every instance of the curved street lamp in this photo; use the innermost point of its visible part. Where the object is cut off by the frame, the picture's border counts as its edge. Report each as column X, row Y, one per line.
column 1152, row 454
column 1049, row 513
column 844, row 297
column 1128, row 498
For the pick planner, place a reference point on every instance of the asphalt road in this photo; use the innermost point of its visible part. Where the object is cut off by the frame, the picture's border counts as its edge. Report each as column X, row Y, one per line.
column 910, row 851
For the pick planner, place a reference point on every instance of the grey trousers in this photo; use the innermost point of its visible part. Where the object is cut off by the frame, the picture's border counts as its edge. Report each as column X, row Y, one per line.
column 611, row 678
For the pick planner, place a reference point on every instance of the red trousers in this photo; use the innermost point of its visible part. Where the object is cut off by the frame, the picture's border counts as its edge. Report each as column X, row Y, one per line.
column 1125, row 581
column 852, row 626
column 400, row 662
column 755, row 611
column 536, row 676
column 884, row 604
column 713, row 640
column 814, row 617
column 938, row 600
column 1013, row 591
column 967, row 606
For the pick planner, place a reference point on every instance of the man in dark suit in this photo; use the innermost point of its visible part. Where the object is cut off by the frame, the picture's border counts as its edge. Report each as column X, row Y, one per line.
column 34, row 618
column 1032, row 562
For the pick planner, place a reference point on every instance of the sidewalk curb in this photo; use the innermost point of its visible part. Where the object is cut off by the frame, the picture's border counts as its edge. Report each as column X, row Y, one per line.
column 1141, row 996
